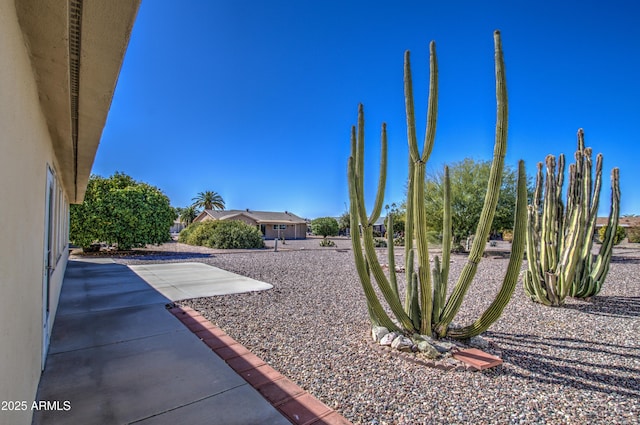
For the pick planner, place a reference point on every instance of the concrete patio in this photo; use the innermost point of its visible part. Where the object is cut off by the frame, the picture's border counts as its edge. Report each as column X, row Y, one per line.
column 119, row 357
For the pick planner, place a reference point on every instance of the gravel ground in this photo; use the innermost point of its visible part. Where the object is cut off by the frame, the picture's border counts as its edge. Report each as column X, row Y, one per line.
column 574, row 365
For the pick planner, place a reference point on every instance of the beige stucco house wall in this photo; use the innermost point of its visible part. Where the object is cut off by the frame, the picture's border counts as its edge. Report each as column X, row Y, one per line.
column 272, row 224
column 47, row 148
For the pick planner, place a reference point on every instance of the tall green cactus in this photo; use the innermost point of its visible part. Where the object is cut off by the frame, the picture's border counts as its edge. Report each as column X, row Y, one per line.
column 560, row 239
column 426, row 309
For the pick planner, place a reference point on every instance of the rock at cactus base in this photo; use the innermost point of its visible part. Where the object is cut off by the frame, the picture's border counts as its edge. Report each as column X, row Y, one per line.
column 378, row 332
column 402, row 343
column 388, row 339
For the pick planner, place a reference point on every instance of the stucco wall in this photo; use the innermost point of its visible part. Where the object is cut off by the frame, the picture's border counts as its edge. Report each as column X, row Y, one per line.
column 297, row 231
column 25, row 152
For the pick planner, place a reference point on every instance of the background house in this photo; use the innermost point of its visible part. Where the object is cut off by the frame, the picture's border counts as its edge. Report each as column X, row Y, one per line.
column 272, row 224
column 60, row 63
column 626, row 222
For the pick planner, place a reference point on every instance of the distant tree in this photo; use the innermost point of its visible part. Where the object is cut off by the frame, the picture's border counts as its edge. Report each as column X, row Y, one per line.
column 344, row 222
column 208, row 200
column 398, row 215
column 188, row 214
column 119, row 210
column 469, row 180
column 325, row 226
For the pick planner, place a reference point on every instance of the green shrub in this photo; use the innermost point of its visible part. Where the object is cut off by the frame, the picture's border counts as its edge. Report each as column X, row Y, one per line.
column 200, row 233
column 380, row 243
column 633, row 233
column 230, row 234
column 434, row 237
column 620, row 234
column 325, row 226
column 234, row 234
column 399, row 241
column 327, row 242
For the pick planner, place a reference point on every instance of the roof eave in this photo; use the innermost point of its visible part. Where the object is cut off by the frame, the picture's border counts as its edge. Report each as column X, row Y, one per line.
column 65, row 79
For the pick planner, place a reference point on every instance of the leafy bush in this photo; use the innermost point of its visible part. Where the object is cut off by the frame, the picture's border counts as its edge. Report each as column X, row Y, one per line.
column 325, row 226
column 327, row 242
column 633, row 233
column 399, row 241
column 380, row 243
column 620, row 234
column 122, row 211
column 199, row 234
column 232, row 234
column 434, row 238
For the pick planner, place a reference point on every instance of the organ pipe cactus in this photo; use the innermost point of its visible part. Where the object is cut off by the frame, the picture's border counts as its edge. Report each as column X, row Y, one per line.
column 426, row 309
column 559, row 239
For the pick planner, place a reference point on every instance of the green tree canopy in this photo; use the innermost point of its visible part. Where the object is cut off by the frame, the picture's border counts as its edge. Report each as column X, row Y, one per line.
column 325, row 226
column 208, row 200
column 344, row 221
column 398, row 214
column 119, row 210
column 468, row 187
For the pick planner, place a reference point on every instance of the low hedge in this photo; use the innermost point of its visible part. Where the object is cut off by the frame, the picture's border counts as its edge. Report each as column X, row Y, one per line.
column 231, row 234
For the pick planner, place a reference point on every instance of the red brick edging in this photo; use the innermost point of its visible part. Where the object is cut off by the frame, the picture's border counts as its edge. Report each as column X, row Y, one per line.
column 297, row 405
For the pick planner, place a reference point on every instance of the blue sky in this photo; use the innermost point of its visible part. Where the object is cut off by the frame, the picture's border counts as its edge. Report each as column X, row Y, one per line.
column 255, row 99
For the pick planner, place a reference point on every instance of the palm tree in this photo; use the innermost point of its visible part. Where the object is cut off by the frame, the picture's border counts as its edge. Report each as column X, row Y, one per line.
column 208, row 200
column 188, row 214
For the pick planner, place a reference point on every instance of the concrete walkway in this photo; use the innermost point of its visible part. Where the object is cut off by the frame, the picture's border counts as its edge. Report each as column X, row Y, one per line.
column 119, row 357
column 183, row 281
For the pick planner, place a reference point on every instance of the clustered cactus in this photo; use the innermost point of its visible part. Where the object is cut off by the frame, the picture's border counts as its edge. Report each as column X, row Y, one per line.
column 426, row 309
column 559, row 239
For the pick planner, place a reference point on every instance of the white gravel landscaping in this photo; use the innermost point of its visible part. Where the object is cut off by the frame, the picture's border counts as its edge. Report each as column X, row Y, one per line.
column 579, row 364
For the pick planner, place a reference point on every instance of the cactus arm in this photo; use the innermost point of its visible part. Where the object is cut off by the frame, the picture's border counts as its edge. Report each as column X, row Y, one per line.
column 415, row 304
column 436, row 277
column 383, row 283
column 377, row 313
column 408, row 274
column 382, row 179
column 441, row 271
column 408, row 237
column 491, row 199
column 357, row 198
column 432, row 108
column 414, row 154
column 537, row 200
column 513, row 269
column 601, row 267
column 424, row 276
column 391, row 256
column 535, row 274
column 549, row 229
column 570, row 256
column 358, row 134
column 446, row 231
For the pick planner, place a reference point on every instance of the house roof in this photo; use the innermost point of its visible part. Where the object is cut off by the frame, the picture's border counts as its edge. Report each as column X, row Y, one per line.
column 76, row 50
column 261, row 217
column 627, row 221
